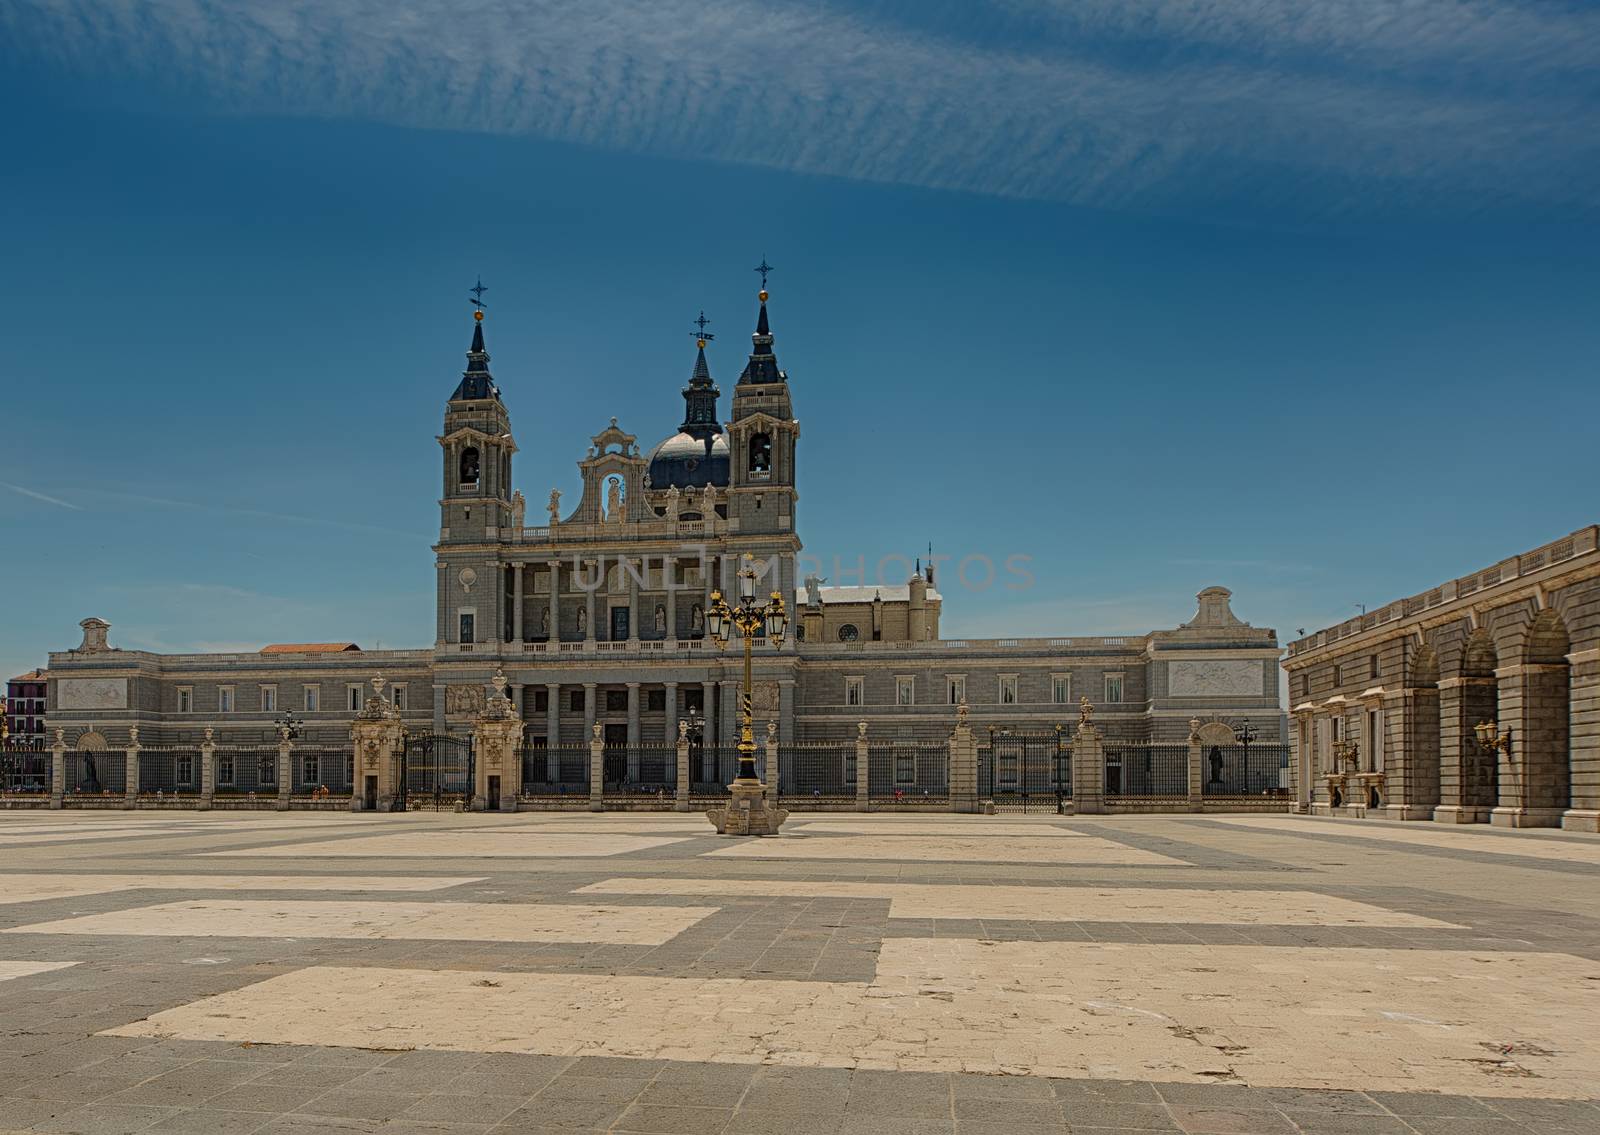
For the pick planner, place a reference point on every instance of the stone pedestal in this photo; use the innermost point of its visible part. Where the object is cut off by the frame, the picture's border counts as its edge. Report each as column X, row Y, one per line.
column 748, row 812
column 863, row 783
column 130, row 797
column 1088, row 770
column 208, row 772
column 285, row 784
column 963, row 764
column 58, row 770
column 597, row 759
column 681, row 804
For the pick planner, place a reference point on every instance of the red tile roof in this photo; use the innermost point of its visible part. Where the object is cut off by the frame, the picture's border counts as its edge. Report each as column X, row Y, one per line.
column 309, row 648
column 32, row 676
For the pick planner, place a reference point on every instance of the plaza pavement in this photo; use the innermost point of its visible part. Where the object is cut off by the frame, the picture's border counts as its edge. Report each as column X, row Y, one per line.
column 881, row 975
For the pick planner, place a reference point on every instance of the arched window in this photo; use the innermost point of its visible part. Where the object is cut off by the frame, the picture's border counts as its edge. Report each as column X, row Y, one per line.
column 469, row 466
column 848, row 633
column 761, row 453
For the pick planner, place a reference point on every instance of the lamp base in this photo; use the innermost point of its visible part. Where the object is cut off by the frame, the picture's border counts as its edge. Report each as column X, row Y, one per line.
column 747, row 812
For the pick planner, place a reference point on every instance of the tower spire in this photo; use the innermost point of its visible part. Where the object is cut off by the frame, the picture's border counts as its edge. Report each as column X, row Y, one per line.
column 763, row 365
column 700, row 396
column 476, row 381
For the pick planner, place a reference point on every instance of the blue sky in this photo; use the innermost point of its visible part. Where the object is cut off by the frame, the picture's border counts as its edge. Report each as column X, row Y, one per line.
column 1158, row 295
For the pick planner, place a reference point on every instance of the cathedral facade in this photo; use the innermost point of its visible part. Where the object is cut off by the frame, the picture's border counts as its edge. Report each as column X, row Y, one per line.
column 594, row 609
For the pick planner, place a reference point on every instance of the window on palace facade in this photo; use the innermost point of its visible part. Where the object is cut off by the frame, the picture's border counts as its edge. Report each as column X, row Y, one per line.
column 905, row 691
column 1113, row 689
column 398, row 696
column 1373, row 662
column 541, row 701
column 310, row 770
column 269, row 699
column 267, row 773
column 313, row 698
column 1061, row 688
column 185, row 699
column 468, row 627
column 855, row 691
column 849, row 633
column 958, row 688
column 225, row 769
column 1338, row 674
column 224, row 699
column 183, row 769
column 577, row 700
column 655, row 701
column 353, row 700
column 1008, row 689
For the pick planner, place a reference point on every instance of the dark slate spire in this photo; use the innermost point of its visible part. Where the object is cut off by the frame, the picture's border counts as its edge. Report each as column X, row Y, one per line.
column 700, row 396
column 476, row 381
column 763, row 365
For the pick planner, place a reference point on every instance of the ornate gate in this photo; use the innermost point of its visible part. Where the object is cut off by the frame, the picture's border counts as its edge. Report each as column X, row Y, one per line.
column 436, row 769
column 1026, row 772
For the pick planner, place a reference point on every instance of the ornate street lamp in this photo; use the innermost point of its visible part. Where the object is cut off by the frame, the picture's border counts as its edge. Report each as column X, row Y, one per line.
column 749, row 619
column 1491, row 738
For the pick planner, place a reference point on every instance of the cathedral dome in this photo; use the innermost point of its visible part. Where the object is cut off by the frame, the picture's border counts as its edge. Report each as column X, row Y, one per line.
column 687, row 461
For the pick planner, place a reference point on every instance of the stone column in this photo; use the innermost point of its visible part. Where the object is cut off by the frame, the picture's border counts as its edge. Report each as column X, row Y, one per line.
column 592, row 598
column 516, row 599
column 1465, row 767
column 285, row 783
column 208, row 771
column 730, row 716
column 1534, row 782
column 1410, row 751
column 669, row 577
column 863, row 802
column 963, row 764
column 682, row 804
column 628, row 567
column 597, row 768
column 670, row 716
column 131, row 769
column 633, row 732
column 1584, row 746
column 1089, row 770
column 58, row 769
column 589, row 708
column 552, row 730
column 708, row 710
column 1197, row 792
column 555, row 603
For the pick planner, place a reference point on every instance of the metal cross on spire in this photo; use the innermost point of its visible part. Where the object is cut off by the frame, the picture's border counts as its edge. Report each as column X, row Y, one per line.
column 702, row 334
column 477, row 295
column 764, row 268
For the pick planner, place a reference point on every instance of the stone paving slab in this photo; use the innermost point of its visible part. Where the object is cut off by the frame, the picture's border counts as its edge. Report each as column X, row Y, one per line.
column 1326, row 1018
column 1053, row 904
column 1086, row 850
column 33, row 888
column 1576, row 850
column 441, row 921
column 491, row 843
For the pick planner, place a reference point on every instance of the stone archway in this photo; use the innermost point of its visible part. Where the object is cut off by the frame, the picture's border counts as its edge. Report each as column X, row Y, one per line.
column 1469, row 773
column 89, row 766
column 1535, row 770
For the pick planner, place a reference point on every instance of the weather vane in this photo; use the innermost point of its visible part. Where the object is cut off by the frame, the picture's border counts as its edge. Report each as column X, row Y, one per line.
column 702, row 334
column 763, row 268
column 477, row 295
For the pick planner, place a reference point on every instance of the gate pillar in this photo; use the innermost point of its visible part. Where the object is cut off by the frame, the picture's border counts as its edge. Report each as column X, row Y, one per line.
column 286, row 770
column 58, row 769
column 1197, row 801
column 963, row 764
column 379, row 740
column 1088, row 764
column 682, row 804
column 208, row 770
column 131, row 796
column 496, row 746
column 597, row 761
column 770, row 776
column 862, row 769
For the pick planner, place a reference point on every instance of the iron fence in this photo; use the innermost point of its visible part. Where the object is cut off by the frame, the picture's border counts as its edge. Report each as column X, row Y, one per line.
column 438, row 768
column 1243, row 770
column 640, row 771
column 908, row 772
column 100, row 773
column 242, row 770
column 1146, row 771
column 24, row 769
column 559, row 771
column 711, row 769
column 314, row 770
column 169, row 771
column 820, row 771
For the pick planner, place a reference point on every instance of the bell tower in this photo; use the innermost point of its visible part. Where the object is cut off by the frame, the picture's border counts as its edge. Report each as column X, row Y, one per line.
column 476, row 505
column 763, row 439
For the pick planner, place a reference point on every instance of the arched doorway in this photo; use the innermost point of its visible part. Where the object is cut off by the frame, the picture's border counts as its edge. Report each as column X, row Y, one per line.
column 1470, row 779
column 1535, row 773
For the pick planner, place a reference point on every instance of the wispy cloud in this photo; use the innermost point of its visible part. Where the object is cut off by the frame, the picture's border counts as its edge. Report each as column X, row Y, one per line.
column 57, row 501
column 1347, row 104
column 261, row 514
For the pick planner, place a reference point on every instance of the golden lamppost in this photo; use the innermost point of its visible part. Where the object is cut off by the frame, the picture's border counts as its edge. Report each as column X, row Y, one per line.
column 749, row 619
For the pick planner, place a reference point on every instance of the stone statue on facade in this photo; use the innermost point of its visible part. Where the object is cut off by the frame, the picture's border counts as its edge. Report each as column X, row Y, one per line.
column 1085, row 710
column 814, row 584
column 697, row 619
column 583, row 620
column 672, row 503
column 554, row 507
column 661, row 619
column 544, row 622
column 614, row 500
column 519, row 510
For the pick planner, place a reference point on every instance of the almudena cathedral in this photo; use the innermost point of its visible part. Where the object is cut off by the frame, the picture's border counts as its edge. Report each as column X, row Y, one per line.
column 585, row 625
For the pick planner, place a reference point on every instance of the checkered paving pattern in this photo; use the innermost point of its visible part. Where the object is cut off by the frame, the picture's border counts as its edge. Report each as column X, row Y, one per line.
column 636, row 973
